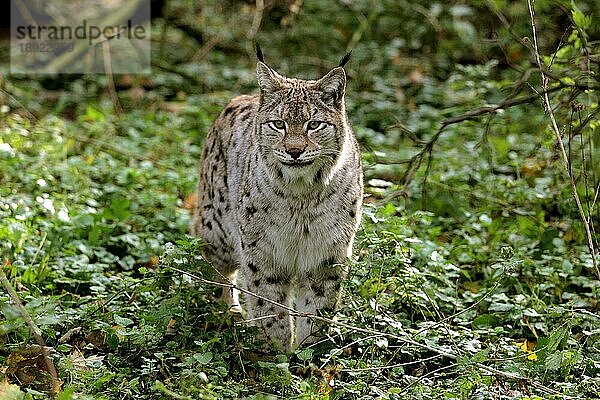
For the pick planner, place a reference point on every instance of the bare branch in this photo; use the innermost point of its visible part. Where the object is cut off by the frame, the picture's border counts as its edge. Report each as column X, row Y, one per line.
column 256, row 21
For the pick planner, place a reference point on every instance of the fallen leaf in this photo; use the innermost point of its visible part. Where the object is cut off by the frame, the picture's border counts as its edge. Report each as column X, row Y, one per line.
column 29, row 366
column 528, row 347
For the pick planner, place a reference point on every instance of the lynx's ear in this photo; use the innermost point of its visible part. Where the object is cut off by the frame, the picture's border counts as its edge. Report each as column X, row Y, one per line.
column 268, row 80
column 344, row 60
column 333, row 86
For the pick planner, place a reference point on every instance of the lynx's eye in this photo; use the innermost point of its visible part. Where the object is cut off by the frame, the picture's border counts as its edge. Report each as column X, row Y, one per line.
column 315, row 125
column 277, row 124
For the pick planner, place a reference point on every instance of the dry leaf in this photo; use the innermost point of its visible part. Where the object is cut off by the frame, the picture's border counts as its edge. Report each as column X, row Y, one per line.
column 190, row 201
column 527, row 346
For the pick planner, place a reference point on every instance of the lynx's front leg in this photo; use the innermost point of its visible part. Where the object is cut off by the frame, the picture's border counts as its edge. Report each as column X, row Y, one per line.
column 318, row 294
column 275, row 322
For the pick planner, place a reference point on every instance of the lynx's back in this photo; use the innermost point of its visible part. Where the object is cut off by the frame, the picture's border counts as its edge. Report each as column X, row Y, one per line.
column 279, row 199
column 221, row 167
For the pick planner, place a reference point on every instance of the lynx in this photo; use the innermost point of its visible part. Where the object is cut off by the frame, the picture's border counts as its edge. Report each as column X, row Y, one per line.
column 279, row 200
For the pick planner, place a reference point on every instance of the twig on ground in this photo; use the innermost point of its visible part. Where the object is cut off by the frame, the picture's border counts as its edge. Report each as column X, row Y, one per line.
column 359, row 340
column 37, row 252
column 33, row 328
column 31, row 116
column 404, row 364
column 472, row 306
column 427, row 375
column 293, row 312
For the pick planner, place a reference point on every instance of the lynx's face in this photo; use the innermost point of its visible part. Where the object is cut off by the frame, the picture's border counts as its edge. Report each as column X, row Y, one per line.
column 301, row 123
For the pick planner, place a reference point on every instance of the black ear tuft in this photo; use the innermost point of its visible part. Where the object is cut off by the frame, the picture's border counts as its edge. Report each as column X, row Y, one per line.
column 259, row 53
column 345, row 59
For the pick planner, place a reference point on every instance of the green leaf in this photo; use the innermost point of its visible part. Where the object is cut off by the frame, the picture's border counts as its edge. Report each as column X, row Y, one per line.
column 93, row 114
column 553, row 362
column 123, row 321
column 501, row 145
column 66, row 394
column 336, row 352
column 582, row 21
column 485, row 321
column 481, row 355
column 558, row 338
column 554, row 342
column 305, row 354
column 502, row 307
column 204, row 358
column 528, row 226
column 119, row 208
column 94, row 234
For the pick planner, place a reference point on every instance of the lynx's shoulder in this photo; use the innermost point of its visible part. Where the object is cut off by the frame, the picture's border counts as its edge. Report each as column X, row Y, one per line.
column 237, row 115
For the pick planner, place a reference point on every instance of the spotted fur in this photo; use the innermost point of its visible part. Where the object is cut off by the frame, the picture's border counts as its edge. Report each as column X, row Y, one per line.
column 280, row 198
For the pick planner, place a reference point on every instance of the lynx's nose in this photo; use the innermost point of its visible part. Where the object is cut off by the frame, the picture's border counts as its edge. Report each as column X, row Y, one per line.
column 294, row 152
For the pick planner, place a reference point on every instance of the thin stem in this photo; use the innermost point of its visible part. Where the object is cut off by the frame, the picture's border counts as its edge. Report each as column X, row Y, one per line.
column 404, row 364
column 34, row 329
column 106, row 57
column 563, row 152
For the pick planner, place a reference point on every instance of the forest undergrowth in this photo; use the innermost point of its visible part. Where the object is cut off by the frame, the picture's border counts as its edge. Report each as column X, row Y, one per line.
column 475, row 272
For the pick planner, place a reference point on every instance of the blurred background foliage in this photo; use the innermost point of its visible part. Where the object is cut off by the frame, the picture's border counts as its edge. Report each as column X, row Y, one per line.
column 471, row 242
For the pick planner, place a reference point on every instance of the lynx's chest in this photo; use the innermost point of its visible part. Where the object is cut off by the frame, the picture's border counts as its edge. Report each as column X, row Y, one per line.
column 301, row 235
